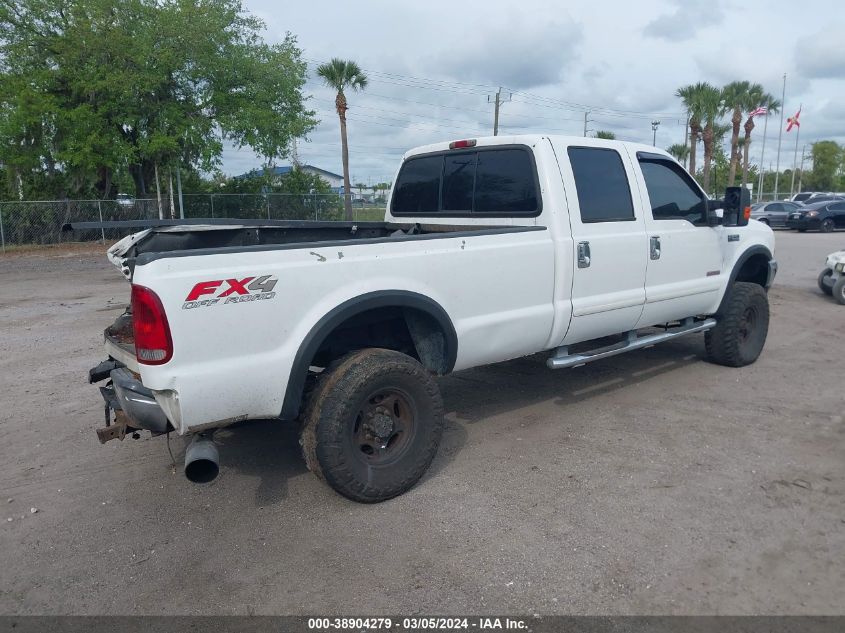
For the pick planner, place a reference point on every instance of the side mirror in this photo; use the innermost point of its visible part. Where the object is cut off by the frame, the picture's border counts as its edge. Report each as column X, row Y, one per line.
column 737, row 206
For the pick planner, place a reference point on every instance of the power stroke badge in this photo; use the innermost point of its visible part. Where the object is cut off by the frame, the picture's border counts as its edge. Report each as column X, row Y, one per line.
column 225, row 291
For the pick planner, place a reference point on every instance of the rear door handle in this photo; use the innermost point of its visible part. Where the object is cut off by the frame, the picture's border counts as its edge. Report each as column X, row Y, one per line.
column 655, row 247
column 583, row 254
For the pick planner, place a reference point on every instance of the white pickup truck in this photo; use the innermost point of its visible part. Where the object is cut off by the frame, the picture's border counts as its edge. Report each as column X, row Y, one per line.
column 490, row 249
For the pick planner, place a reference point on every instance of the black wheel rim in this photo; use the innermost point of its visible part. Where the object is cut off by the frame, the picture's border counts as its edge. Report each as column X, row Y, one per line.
column 747, row 324
column 384, row 427
column 827, row 225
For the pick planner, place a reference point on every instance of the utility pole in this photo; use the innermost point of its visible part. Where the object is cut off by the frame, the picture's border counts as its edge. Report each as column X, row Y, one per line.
column 497, row 99
column 686, row 139
column 654, row 125
column 586, row 120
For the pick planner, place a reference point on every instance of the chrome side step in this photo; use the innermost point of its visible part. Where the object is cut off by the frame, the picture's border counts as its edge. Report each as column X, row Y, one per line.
column 562, row 358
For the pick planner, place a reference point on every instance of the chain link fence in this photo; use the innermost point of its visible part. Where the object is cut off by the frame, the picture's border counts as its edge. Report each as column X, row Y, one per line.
column 40, row 222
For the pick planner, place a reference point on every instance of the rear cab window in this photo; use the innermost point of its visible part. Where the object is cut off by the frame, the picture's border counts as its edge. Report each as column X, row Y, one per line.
column 499, row 181
column 604, row 194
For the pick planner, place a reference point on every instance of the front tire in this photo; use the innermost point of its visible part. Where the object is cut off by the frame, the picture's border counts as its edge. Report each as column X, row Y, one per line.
column 839, row 290
column 827, row 225
column 743, row 324
column 372, row 424
column 827, row 272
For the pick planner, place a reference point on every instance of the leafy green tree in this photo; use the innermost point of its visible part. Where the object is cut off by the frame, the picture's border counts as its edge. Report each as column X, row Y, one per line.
column 93, row 88
column 757, row 98
column 827, row 160
column 606, row 134
column 340, row 75
column 712, row 132
column 692, row 97
column 679, row 151
column 735, row 99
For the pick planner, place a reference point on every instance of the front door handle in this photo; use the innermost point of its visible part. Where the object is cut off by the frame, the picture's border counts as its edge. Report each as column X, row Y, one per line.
column 655, row 247
column 583, row 254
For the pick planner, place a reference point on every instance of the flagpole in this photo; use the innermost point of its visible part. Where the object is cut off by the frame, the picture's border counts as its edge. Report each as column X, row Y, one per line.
column 795, row 157
column 780, row 135
column 763, row 154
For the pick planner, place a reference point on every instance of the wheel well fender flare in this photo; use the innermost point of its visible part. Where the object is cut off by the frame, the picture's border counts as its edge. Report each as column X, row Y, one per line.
column 737, row 267
column 348, row 309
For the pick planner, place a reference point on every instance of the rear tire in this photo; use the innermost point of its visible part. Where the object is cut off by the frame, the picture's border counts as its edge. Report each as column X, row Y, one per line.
column 743, row 324
column 372, row 425
column 827, row 272
column 839, row 290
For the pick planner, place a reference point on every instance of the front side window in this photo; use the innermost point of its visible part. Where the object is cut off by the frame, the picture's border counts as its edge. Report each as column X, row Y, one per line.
column 496, row 182
column 672, row 195
column 602, row 185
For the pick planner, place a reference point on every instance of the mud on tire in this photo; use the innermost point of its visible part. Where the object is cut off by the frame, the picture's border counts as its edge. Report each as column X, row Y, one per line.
column 743, row 324
column 372, row 424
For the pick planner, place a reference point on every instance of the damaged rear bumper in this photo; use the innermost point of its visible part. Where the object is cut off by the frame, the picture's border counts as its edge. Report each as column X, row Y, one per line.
column 129, row 405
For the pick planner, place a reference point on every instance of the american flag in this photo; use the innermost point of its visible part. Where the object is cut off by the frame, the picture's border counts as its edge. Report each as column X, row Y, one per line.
column 758, row 112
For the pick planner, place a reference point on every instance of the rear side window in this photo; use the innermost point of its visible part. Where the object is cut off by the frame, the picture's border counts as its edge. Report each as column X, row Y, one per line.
column 496, row 182
column 418, row 186
column 672, row 195
column 602, row 185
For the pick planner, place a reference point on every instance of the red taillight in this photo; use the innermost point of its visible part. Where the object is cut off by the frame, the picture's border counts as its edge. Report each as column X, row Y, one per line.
column 153, row 345
column 460, row 144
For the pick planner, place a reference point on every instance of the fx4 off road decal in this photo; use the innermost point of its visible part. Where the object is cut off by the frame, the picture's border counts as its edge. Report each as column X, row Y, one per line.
column 224, row 291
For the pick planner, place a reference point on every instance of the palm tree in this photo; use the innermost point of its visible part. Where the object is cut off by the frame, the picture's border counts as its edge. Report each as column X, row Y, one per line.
column 691, row 96
column 757, row 98
column 680, row 152
column 710, row 103
column 735, row 99
column 340, row 74
column 605, row 134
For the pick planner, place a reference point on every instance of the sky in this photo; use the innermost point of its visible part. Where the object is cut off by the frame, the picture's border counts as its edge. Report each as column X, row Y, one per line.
column 434, row 67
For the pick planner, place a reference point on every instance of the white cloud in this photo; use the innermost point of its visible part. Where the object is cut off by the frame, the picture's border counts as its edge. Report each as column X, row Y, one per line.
column 685, row 20
column 822, row 54
column 627, row 57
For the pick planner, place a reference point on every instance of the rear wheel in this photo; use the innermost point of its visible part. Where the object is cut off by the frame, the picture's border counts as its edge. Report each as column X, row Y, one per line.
column 839, row 290
column 827, row 225
column 372, row 424
column 823, row 275
column 742, row 327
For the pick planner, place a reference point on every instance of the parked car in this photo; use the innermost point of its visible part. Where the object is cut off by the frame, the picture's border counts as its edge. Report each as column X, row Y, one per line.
column 773, row 213
column 802, row 197
column 490, row 249
column 832, row 276
column 823, row 216
column 125, row 200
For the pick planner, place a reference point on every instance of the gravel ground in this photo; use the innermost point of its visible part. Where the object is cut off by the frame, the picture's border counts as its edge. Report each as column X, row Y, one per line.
column 650, row 483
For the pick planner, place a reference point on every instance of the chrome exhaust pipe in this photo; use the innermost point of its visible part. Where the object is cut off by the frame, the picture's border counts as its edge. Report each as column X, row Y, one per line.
column 202, row 461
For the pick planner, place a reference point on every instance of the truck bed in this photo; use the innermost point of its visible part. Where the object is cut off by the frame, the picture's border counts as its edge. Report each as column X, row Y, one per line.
column 192, row 239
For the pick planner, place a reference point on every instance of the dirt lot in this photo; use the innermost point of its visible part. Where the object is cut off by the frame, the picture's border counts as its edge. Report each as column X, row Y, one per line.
column 654, row 482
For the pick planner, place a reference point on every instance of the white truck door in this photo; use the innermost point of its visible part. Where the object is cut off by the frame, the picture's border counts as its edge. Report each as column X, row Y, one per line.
column 685, row 260
column 608, row 232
